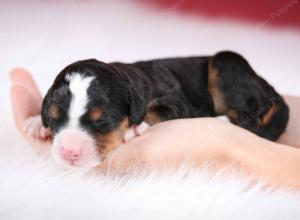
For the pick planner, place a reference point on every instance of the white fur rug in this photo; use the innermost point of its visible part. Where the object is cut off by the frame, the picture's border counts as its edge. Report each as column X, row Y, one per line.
column 32, row 188
column 45, row 37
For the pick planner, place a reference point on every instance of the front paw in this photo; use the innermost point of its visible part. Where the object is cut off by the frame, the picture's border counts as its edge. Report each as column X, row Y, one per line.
column 223, row 118
column 134, row 131
column 33, row 127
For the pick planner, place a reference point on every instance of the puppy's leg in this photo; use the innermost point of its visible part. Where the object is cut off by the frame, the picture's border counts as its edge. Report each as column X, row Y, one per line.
column 247, row 99
column 34, row 128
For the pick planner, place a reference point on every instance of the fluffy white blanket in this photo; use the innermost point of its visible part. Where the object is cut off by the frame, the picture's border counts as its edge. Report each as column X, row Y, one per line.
column 32, row 188
column 44, row 37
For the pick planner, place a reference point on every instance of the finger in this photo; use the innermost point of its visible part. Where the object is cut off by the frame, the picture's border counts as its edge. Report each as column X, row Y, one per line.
column 291, row 136
column 23, row 105
column 45, row 133
column 22, row 77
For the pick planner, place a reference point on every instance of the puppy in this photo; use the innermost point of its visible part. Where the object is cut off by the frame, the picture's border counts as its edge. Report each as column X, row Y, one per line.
column 93, row 107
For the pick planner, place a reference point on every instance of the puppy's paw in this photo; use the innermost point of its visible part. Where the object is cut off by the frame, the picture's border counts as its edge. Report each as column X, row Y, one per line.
column 141, row 128
column 33, row 127
column 223, row 118
column 135, row 130
column 129, row 134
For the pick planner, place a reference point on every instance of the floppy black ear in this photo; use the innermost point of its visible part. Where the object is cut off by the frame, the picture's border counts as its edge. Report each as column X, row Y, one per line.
column 44, row 110
column 138, row 106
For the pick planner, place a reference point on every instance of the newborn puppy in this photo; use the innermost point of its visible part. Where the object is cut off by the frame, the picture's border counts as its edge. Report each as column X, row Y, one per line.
column 93, row 107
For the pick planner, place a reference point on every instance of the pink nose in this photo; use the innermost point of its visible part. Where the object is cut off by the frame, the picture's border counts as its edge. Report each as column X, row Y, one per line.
column 70, row 154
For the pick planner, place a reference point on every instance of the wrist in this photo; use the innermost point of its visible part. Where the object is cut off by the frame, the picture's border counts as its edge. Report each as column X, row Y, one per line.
column 243, row 148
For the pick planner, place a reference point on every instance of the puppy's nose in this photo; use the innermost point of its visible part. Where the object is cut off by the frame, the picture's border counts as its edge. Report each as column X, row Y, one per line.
column 70, row 154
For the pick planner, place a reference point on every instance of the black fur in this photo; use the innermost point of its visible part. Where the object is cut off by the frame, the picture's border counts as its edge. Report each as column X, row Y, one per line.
column 173, row 88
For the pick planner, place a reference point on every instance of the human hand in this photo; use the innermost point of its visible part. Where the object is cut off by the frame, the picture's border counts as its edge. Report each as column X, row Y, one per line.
column 26, row 101
column 171, row 143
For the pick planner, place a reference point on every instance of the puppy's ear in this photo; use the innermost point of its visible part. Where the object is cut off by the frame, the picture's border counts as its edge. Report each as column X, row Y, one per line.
column 44, row 110
column 138, row 105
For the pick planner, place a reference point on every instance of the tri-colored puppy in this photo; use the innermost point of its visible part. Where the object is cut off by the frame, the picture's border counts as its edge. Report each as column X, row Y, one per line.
column 93, row 107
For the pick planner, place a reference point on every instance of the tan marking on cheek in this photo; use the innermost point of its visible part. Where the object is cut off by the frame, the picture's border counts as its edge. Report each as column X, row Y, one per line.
column 269, row 115
column 152, row 118
column 95, row 113
column 108, row 142
column 54, row 111
column 213, row 88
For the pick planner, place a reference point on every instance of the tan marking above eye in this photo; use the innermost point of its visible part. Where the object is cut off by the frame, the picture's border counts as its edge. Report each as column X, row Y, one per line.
column 54, row 111
column 95, row 113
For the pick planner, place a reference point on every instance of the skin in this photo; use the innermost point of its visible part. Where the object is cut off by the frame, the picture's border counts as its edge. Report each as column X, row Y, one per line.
column 170, row 143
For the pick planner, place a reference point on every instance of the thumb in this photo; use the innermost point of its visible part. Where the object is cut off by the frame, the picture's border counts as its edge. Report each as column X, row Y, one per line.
column 23, row 78
column 23, row 104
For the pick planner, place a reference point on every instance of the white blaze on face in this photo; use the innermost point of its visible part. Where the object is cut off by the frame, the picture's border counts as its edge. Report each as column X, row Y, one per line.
column 72, row 145
column 78, row 87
